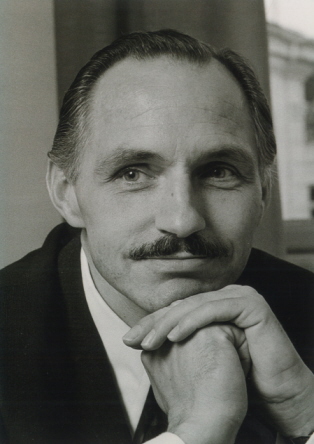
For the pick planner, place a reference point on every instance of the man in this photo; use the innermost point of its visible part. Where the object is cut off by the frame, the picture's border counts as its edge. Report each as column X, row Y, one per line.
column 161, row 163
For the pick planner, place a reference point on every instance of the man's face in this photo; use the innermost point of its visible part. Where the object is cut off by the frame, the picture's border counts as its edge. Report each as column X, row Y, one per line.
column 171, row 158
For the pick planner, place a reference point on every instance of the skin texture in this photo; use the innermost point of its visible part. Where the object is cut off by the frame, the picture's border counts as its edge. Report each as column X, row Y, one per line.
column 193, row 415
column 283, row 382
column 199, row 175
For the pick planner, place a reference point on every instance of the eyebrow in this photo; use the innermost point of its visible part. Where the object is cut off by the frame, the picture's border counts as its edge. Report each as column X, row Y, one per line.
column 127, row 156
column 123, row 156
column 234, row 153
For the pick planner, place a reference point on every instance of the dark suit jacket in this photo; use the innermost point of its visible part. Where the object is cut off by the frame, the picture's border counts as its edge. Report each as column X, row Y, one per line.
column 57, row 385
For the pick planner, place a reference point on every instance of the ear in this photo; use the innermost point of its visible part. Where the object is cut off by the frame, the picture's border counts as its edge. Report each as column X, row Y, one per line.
column 266, row 193
column 63, row 196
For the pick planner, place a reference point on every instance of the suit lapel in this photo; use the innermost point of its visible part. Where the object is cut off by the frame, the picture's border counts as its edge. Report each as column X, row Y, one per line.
column 96, row 396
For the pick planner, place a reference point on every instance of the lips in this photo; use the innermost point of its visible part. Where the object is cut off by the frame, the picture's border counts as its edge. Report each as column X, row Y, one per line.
column 178, row 264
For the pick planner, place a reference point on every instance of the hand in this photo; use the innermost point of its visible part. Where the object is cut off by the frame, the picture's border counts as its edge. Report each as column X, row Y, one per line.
column 284, row 383
column 200, row 384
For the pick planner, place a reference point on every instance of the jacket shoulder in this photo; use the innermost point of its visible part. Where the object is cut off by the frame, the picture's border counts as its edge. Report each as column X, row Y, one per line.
column 39, row 263
column 269, row 271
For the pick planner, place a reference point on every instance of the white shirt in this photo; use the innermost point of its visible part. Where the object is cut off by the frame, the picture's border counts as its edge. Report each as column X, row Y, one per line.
column 126, row 362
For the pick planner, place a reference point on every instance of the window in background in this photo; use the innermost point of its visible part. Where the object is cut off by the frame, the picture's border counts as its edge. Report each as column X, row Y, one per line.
column 291, row 68
column 309, row 97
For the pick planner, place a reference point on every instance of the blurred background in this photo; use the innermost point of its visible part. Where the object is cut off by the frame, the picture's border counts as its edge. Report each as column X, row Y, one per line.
column 44, row 43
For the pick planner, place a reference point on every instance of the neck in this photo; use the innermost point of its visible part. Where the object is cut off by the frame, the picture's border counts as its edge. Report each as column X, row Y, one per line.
column 128, row 311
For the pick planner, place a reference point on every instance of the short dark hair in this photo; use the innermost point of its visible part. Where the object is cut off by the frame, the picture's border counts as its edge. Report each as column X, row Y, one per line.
column 72, row 131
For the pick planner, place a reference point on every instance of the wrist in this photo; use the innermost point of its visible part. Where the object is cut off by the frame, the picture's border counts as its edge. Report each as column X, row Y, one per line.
column 206, row 430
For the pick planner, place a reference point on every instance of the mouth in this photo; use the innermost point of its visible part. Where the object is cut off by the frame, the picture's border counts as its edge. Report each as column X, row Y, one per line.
column 178, row 264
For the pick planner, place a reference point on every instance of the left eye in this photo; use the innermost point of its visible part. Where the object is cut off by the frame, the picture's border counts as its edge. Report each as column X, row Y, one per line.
column 131, row 175
column 219, row 173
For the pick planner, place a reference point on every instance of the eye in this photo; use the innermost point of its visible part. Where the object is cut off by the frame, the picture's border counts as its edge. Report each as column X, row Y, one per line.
column 131, row 175
column 135, row 177
column 220, row 173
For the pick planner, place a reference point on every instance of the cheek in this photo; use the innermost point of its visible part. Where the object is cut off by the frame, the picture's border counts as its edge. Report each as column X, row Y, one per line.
column 114, row 223
column 236, row 214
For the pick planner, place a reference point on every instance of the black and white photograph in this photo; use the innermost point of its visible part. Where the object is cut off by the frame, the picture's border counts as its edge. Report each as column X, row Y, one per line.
column 157, row 222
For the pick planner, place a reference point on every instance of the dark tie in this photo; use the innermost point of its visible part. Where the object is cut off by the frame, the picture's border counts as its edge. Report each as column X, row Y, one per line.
column 153, row 421
column 253, row 431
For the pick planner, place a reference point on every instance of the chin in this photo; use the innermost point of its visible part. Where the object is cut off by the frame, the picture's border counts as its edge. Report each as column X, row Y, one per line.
column 173, row 291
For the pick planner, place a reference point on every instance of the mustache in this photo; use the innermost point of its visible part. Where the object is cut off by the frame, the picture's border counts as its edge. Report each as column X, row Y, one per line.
column 194, row 244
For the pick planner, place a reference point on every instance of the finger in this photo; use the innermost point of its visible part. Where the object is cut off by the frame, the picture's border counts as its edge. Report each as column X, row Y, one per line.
column 151, row 332
column 164, row 324
column 137, row 333
column 238, row 311
column 158, row 335
column 244, row 355
column 271, row 351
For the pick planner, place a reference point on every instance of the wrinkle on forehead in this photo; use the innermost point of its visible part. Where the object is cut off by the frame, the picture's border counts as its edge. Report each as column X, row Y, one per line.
column 190, row 104
column 228, row 109
column 173, row 115
column 149, row 84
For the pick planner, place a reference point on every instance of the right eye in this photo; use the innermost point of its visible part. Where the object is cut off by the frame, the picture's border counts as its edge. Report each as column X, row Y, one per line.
column 132, row 175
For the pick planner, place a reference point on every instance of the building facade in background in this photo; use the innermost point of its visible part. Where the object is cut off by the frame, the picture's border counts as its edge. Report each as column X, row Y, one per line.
column 291, row 66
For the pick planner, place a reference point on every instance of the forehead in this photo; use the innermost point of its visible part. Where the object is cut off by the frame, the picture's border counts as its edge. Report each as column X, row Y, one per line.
column 144, row 83
column 163, row 101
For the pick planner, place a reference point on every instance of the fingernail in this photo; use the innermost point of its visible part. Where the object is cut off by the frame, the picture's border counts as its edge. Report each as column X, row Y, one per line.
column 172, row 336
column 148, row 339
column 132, row 334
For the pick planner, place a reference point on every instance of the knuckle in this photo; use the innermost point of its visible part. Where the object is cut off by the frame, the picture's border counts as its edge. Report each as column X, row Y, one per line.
column 252, row 293
column 248, row 291
column 255, row 304
column 254, row 296
column 147, row 320
column 185, row 323
column 150, row 319
column 232, row 287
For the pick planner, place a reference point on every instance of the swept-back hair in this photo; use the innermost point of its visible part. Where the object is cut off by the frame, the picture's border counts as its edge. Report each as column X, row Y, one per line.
column 73, row 129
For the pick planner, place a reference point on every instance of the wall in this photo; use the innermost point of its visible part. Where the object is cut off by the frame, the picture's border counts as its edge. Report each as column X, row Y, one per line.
column 28, row 118
column 31, row 70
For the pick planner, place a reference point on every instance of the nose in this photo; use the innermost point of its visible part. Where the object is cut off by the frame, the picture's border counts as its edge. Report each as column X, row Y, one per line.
column 179, row 208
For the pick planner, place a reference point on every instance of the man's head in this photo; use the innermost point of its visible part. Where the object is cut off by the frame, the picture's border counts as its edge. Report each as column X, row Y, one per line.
column 161, row 156
column 72, row 132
